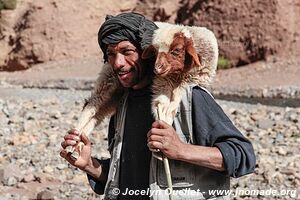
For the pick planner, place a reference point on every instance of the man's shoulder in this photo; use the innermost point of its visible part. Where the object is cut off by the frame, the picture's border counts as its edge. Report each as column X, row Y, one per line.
column 204, row 102
column 202, row 94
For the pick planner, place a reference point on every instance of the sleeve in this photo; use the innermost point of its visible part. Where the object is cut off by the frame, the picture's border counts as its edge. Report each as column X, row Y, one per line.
column 212, row 127
column 96, row 185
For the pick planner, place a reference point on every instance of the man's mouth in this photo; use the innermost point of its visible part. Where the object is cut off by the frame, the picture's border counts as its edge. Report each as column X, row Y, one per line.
column 124, row 74
column 121, row 72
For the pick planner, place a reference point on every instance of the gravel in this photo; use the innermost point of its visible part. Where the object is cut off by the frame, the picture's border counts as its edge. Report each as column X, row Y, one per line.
column 34, row 121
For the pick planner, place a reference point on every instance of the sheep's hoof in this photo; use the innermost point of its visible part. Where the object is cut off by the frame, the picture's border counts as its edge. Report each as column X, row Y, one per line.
column 75, row 155
column 70, row 149
column 77, row 150
column 157, row 155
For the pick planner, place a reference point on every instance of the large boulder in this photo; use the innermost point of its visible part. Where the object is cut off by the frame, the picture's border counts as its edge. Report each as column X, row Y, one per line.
column 41, row 31
column 247, row 31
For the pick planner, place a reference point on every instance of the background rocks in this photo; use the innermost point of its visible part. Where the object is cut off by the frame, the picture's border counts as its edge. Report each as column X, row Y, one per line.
column 36, row 123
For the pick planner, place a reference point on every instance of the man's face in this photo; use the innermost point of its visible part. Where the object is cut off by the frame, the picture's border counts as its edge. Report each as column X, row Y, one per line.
column 126, row 62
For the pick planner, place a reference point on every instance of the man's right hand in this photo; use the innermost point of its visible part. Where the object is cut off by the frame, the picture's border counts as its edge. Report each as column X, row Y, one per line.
column 71, row 139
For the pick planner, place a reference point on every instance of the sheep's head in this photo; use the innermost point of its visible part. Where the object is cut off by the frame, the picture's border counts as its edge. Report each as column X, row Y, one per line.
column 173, row 57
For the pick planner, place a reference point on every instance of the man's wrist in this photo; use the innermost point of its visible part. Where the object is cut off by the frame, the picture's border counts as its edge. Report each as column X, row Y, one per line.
column 88, row 165
column 182, row 153
column 92, row 165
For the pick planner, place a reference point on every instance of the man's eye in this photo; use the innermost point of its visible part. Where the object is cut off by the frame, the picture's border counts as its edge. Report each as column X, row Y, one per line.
column 110, row 54
column 128, row 51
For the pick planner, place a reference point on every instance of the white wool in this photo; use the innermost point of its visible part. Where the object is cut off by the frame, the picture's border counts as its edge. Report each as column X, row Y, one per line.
column 163, row 37
column 186, row 33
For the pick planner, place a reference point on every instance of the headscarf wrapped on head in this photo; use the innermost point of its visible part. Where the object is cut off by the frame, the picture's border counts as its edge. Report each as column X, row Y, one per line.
column 132, row 27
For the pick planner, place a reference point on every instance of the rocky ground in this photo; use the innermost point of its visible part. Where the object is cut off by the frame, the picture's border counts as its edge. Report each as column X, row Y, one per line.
column 33, row 126
column 39, row 105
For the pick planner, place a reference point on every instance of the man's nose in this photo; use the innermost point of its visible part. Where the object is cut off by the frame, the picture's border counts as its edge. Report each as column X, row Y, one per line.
column 119, row 61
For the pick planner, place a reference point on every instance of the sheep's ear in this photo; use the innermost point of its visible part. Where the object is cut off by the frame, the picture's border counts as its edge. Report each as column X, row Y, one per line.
column 149, row 52
column 193, row 58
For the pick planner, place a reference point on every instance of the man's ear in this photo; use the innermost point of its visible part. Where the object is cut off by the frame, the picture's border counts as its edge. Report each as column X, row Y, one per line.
column 149, row 52
column 191, row 56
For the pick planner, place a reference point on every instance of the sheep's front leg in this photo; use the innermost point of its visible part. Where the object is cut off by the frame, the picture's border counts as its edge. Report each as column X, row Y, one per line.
column 164, row 158
column 160, row 106
column 105, row 110
column 173, row 105
column 86, row 130
column 84, row 120
column 99, row 105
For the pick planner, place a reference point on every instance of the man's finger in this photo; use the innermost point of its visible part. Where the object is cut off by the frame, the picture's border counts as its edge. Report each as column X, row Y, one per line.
column 155, row 145
column 63, row 145
column 66, row 143
column 155, row 138
column 85, row 139
column 72, row 137
column 154, row 150
column 156, row 131
column 160, row 124
column 74, row 131
column 64, row 154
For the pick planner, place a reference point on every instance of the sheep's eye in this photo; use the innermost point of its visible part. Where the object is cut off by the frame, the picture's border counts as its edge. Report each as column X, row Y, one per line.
column 176, row 51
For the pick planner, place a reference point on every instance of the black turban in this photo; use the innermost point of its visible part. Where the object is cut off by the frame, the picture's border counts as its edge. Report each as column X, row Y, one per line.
column 132, row 27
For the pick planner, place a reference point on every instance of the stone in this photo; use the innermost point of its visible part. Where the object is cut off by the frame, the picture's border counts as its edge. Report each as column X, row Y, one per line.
column 297, row 175
column 55, row 115
column 45, row 194
column 3, row 119
column 297, row 183
column 31, row 125
column 61, row 166
column 9, row 171
column 23, row 139
column 11, row 181
column 127, row 5
column 293, row 117
column 53, row 137
column 256, row 117
column 279, row 137
column 28, row 178
column 265, row 123
column 15, row 119
column 281, row 151
column 48, row 169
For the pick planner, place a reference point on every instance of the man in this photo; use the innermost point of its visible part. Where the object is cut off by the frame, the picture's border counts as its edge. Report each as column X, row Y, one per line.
column 203, row 154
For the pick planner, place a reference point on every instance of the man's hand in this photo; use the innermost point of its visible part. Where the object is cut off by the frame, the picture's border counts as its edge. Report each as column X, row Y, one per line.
column 163, row 137
column 71, row 139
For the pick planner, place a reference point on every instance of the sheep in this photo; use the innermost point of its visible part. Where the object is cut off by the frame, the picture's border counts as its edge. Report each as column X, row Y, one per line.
column 185, row 55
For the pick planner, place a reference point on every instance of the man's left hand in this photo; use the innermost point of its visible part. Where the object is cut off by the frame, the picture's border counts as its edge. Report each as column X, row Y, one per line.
column 163, row 137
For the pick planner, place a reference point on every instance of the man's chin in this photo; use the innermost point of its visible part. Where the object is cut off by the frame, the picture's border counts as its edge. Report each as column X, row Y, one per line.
column 126, row 84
